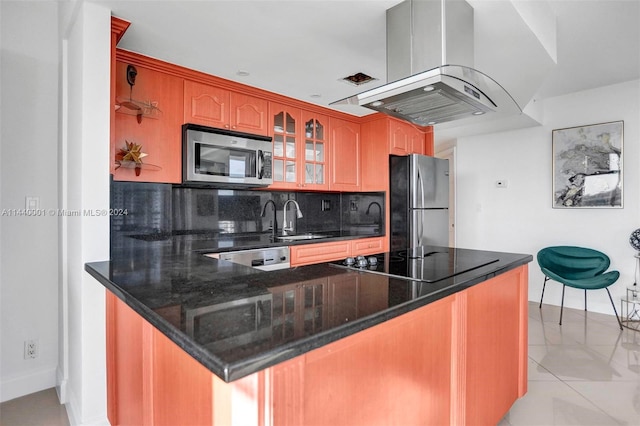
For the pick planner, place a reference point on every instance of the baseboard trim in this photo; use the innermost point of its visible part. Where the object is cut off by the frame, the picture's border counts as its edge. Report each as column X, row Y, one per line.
column 36, row 381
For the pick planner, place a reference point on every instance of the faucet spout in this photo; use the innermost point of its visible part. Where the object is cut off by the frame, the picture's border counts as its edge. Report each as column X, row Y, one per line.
column 274, row 227
column 375, row 203
column 285, row 228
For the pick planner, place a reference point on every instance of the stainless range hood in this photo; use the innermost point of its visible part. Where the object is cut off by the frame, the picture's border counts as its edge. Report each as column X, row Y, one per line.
column 430, row 66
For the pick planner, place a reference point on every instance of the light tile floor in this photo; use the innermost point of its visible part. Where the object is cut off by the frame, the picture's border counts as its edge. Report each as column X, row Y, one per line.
column 37, row 409
column 585, row 372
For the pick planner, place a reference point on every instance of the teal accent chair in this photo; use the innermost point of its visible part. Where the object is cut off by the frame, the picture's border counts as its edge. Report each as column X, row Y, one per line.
column 577, row 267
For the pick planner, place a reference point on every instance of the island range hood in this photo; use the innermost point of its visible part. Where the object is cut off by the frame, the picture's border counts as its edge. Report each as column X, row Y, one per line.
column 430, row 52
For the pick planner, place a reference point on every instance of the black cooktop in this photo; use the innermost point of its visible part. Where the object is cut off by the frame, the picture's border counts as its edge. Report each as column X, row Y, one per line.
column 424, row 263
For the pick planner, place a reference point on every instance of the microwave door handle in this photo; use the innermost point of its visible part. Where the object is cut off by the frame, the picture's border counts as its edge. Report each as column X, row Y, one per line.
column 260, row 164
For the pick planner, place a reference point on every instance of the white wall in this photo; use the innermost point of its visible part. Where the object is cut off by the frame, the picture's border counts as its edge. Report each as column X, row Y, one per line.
column 85, row 182
column 520, row 218
column 55, row 140
column 29, row 129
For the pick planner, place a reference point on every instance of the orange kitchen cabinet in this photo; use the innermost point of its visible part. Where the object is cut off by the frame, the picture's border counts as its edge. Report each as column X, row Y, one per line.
column 345, row 155
column 496, row 329
column 285, row 129
column 366, row 246
column 375, row 156
column 216, row 107
column 308, row 254
column 314, row 161
column 404, row 138
column 157, row 131
column 459, row 360
column 300, row 148
column 406, row 359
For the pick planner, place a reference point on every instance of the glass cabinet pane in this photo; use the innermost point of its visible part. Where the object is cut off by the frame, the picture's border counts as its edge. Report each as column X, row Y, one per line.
column 278, row 146
column 291, row 125
column 309, row 151
column 319, row 173
column 319, row 131
column 291, row 147
column 278, row 123
column 291, row 171
column 278, row 170
column 319, row 151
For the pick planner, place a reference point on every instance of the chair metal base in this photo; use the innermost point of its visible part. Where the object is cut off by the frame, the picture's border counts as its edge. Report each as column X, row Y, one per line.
column 585, row 301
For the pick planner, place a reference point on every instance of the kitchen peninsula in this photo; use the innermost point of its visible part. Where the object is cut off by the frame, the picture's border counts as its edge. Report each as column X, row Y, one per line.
column 322, row 344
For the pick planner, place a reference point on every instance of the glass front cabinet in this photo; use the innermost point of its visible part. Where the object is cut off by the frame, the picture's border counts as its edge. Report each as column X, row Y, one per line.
column 299, row 148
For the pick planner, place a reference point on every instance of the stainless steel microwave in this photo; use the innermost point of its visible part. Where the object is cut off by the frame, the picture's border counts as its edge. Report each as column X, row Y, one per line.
column 227, row 158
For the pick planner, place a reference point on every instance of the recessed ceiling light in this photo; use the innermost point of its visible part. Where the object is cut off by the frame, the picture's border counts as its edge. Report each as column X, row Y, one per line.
column 428, row 88
column 377, row 103
column 242, row 73
column 315, row 95
column 431, row 123
column 478, row 113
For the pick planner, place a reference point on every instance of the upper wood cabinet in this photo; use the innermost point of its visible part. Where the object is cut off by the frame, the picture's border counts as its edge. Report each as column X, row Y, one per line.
column 221, row 108
column 300, row 158
column 315, row 161
column 345, row 155
column 156, row 131
column 284, row 123
column 405, row 139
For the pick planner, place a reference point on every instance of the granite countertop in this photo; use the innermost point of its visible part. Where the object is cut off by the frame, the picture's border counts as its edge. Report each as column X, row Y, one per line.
column 236, row 320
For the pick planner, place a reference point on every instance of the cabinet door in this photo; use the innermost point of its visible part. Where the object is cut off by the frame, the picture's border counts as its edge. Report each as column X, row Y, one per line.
column 345, row 155
column 308, row 254
column 157, row 131
column 399, row 138
column 314, row 153
column 285, row 131
column 375, row 155
column 248, row 114
column 417, row 142
column 206, row 105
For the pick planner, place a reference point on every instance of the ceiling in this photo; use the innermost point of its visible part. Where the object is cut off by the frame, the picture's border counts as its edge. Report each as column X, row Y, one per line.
column 303, row 48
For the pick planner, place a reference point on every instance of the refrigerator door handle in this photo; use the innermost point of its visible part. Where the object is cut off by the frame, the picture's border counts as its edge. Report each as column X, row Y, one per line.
column 420, row 188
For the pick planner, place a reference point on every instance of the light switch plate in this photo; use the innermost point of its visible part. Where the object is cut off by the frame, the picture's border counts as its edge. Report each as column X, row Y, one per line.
column 32, row 203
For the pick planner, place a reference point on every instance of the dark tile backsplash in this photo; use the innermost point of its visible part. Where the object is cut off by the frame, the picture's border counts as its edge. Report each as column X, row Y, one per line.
column 159, row 211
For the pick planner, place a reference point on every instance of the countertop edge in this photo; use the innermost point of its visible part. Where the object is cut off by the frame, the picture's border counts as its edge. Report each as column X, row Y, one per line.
column 231, row 372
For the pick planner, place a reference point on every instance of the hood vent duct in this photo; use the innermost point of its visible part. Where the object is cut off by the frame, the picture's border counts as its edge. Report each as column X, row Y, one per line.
column 430, row 65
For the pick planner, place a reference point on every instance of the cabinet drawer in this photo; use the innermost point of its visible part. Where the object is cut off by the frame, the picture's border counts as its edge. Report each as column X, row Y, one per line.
column 320, row 252
column 367, row 246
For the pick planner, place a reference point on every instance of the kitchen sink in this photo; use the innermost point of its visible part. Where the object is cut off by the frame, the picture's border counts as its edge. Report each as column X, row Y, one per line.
column 301, row 237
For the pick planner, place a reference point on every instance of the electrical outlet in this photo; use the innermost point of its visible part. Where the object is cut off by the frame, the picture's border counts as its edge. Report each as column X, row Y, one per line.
column 353, row 206
column 30, row 349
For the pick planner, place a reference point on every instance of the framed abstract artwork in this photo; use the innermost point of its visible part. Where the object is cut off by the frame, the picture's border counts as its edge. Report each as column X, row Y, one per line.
column 587, row 166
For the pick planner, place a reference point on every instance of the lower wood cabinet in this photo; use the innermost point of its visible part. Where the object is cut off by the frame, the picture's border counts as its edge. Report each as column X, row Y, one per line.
column 457, row 361
column 308, row 254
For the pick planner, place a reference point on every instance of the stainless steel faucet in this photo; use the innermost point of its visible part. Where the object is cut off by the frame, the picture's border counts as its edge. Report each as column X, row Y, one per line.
column 274, row 227
column 375, row 203
column 285, row 228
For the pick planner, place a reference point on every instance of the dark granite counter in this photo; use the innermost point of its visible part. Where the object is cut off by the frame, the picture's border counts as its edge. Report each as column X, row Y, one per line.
column 236, row 320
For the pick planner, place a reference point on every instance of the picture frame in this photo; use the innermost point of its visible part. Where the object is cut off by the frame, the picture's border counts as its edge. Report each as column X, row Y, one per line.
column 588, row 166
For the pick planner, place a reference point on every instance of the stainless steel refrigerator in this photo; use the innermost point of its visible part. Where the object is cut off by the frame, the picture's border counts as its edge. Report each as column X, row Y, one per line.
column 419, row 201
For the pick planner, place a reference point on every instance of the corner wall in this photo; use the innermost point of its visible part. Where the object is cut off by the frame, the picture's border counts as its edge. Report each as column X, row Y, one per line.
column 28, row 167
column 520, row 218
column 85, row 183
